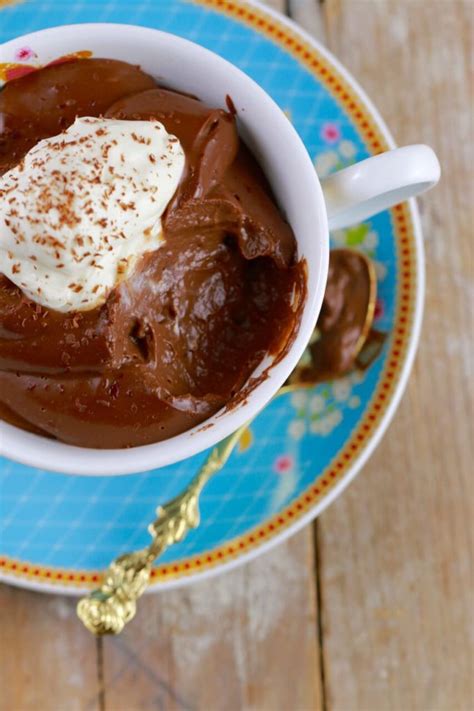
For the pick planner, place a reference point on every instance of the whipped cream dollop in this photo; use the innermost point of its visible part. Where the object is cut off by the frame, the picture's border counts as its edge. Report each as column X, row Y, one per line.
column 83, row 206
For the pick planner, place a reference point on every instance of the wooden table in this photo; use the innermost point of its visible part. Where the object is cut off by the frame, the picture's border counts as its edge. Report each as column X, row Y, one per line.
column 370, row 608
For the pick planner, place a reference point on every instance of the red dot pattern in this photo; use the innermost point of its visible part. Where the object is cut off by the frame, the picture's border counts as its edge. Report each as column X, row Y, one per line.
column 403, row 229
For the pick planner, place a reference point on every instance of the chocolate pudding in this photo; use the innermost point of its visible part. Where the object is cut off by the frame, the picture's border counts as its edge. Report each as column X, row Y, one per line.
column 344, row 330
column 175, row 341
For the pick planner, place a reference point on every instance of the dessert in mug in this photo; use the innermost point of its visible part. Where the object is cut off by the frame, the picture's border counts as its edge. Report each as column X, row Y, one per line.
column 145, row 269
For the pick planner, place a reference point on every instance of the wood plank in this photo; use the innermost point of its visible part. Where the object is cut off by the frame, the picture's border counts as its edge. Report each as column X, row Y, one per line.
column 256, row 627
column 396, row 548
column 308, row 14
column 47, row 659
column 243, row 640
column 278, row 5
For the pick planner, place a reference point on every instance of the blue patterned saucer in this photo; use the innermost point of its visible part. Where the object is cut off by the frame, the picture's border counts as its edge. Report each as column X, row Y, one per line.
column 58, row 532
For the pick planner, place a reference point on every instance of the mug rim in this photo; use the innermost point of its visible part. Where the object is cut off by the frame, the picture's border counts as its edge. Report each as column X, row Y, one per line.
column 54, row 455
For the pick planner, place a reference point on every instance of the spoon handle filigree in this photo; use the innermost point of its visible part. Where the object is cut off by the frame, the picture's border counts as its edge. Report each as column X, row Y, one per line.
column 108, row 609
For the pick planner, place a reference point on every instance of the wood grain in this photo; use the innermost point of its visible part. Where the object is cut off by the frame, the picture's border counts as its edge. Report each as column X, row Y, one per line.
column 394, row 553
column 244, row 640
column 247, row 640
column 48, row 662
column 309, row 15
column 396, row 549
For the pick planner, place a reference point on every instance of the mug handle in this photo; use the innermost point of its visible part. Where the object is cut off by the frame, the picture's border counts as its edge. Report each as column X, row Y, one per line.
column 375, row 184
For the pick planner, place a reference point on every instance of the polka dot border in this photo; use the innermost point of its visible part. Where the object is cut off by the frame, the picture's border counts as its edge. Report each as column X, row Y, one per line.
column 345, row 95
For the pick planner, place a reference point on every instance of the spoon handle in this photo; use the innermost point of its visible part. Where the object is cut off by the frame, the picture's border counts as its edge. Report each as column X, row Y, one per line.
column 108, row 609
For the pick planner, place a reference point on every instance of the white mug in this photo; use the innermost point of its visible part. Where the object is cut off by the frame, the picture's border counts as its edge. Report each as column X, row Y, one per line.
column 311, row 206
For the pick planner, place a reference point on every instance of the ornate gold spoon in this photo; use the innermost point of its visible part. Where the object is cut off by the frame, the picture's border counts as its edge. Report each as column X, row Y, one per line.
column 108, row 609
